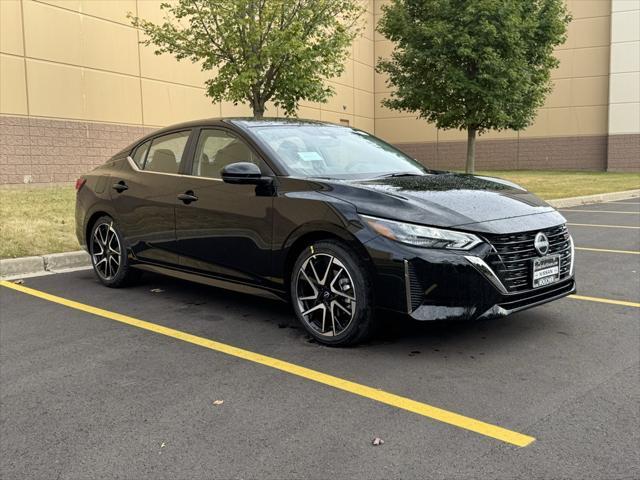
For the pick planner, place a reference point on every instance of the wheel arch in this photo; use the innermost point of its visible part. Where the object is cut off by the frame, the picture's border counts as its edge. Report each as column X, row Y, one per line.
column 309, row 234
column 93, row 218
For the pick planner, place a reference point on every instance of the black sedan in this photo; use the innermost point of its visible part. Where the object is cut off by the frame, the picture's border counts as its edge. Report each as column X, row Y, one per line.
column 331, row 218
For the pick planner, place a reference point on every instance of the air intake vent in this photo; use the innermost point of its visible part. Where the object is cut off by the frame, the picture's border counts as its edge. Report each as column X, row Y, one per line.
column 414, row 287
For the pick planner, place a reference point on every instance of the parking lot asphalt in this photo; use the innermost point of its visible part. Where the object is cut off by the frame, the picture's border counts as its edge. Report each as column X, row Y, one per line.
column 84, row 396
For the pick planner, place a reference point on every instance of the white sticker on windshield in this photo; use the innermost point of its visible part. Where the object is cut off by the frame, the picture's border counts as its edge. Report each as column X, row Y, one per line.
column 310, row 156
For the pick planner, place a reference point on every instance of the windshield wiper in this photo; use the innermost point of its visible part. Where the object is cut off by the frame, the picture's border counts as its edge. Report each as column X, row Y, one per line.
column 401, row 174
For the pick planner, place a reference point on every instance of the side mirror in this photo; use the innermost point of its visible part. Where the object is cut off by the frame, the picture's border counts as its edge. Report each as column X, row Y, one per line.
column 244, row 173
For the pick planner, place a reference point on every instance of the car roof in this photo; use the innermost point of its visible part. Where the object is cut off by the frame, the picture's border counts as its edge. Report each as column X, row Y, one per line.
column 249, row 122
column 243, row 123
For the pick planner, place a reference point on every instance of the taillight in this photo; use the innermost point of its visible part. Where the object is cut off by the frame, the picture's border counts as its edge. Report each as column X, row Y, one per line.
column 80, row 183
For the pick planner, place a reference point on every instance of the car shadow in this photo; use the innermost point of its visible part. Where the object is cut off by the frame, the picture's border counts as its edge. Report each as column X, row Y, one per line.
column 395, row 332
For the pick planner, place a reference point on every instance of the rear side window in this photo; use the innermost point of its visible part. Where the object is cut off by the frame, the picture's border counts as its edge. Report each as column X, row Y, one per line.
column 141, row 154
column 166, row 152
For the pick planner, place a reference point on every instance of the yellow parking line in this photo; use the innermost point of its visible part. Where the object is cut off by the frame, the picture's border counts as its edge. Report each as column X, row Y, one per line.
column 606, row 300
column 601, row 226
column 607, row 250
column 597, row 211
column 445, row 416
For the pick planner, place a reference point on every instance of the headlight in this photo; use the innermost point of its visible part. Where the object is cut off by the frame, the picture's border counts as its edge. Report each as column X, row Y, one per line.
column 421, row 236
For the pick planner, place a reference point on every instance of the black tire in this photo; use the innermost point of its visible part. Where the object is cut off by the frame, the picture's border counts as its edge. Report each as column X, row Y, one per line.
column 342, row 286
column 109, row 256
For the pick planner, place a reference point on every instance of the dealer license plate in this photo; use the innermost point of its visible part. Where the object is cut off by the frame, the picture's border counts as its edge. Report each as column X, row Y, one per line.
column 546, row 270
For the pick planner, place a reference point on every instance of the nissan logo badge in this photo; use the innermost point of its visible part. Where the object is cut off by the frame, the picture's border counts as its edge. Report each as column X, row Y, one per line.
column 541, row 243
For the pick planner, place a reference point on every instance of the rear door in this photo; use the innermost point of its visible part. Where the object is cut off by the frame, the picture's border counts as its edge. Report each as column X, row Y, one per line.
column 144, row 197
column 227, row 230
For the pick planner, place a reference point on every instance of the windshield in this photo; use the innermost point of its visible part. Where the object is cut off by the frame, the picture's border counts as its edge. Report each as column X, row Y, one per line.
column 335, row 152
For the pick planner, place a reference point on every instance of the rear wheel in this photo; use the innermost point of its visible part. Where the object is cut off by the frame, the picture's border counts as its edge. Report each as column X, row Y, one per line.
column 108, row 255
column 332, row 295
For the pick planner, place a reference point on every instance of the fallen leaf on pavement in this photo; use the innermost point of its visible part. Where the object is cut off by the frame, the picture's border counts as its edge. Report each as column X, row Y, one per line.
column 19, row 282
column 377, row 441
column 218, row 402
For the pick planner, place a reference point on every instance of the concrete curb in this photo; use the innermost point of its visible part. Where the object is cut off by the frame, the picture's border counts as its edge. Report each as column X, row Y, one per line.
column 59, row 261
column 589, row 199
column 41, row 265
column 13, row 268
column 24, row 265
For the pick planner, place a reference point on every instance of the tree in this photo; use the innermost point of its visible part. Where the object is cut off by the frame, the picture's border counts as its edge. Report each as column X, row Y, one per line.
column 263, row 50
column 474, row 65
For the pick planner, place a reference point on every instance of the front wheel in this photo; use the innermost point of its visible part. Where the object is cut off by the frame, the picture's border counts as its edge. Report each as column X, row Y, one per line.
column 108, row 255
column 331, row 294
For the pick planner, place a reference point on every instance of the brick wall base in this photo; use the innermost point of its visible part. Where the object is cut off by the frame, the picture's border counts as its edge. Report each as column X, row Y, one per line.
column 624, row 153
column 550, row 153
column 38, row 150
column 43, row 151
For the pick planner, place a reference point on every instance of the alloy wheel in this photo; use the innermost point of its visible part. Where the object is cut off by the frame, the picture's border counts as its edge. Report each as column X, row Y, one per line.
column 325, row 294
column 106, row 251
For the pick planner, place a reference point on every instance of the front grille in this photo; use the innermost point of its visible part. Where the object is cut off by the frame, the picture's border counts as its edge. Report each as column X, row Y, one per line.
column 514, row 252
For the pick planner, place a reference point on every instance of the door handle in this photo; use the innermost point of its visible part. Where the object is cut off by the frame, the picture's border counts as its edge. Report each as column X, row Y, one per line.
column 188, row 197
column 120, row 186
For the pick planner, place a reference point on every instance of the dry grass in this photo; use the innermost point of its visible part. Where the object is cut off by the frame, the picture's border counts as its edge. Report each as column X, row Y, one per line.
column 558, row 184
column 36, row 221
column 40, row 220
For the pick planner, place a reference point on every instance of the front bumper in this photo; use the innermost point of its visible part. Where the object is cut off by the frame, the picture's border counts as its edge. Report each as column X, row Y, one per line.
column 446, row 285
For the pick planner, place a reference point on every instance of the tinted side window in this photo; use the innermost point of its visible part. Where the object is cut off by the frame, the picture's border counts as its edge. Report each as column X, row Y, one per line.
column 216, row 149
column 166, row 152
column 140, row 154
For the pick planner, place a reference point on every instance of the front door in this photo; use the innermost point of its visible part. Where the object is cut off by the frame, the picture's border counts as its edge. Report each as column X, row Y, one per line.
column 144, row 197
column 224, row 229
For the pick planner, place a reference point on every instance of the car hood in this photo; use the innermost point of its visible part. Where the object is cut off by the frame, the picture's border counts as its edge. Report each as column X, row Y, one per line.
column 444, row 200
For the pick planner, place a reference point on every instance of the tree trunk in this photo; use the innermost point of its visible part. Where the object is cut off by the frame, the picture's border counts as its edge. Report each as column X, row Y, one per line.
column 258, row 111
column 471, row 150
column 258, row 107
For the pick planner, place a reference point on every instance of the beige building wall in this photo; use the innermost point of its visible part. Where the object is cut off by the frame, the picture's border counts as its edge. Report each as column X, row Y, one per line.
column 353, row 99
column 81, row 60
column 75, row 68
column 76, row 86
column 624, row 85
